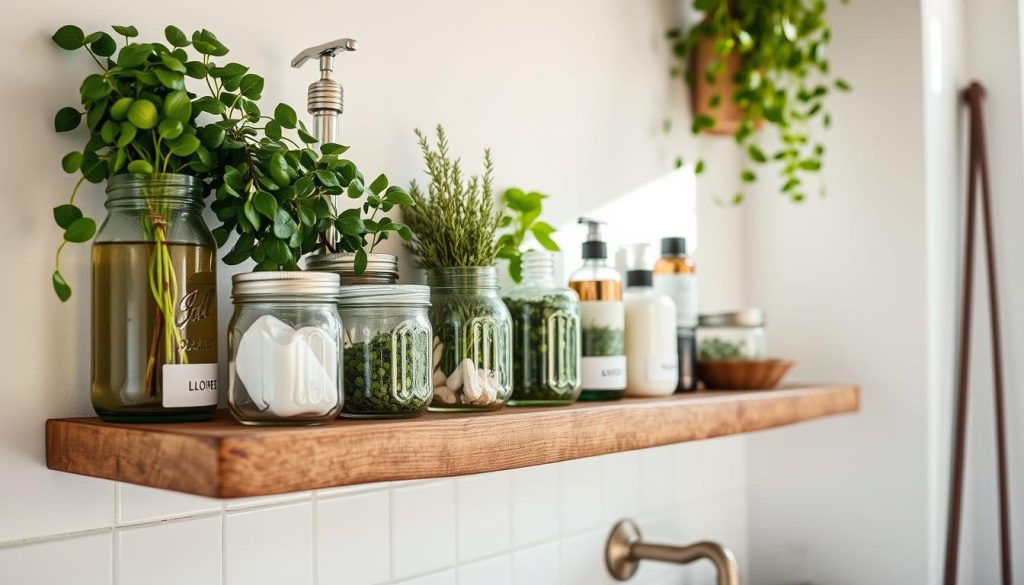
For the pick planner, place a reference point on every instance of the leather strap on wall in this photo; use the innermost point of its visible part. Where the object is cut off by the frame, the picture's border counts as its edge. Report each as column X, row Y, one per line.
column 977, row 171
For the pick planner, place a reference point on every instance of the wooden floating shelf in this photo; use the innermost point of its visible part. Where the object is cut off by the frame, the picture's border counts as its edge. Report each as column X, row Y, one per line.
column 221, row 458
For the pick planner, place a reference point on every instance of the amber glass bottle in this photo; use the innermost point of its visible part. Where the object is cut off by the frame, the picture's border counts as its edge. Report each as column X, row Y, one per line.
column 675, row 275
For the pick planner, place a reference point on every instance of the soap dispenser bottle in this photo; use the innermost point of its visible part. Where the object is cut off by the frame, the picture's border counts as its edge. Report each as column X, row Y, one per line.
column 675, row 274
column 602, row 318
column 652, row 361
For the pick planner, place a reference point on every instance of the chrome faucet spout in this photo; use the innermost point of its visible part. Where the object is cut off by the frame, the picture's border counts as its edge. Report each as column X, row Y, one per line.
column 625, row 550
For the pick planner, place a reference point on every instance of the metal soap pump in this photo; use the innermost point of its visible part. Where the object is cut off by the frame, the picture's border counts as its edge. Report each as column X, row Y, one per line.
column 325, row 100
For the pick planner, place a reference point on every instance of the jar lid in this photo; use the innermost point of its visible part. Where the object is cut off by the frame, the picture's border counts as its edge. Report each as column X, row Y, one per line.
column 384, row 295
column 743, row 318
column 380, row 268
column 254, row 285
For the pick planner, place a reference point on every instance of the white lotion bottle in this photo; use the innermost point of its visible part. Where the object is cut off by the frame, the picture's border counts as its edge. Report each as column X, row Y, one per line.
column 652, row 357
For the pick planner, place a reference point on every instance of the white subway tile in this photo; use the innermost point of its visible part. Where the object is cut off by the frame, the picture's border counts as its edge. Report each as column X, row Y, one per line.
column 689, row 480
column 140, row 504
column 721, row 465
column 37, row 502
column 170, row 553
column 536, row 565
column 493, row 571
column 264, row 501
column 441, row 578
column 269, row 546
column 582, row 559
column 485, row 515
column 580, row 494
column 82, row 560
column 352, row 539
column 657, row 490
column 422, row 528
column 621, row 477
column 534, row 504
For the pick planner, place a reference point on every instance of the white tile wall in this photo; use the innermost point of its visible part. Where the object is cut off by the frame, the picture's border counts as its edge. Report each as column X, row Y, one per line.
column 542, row 525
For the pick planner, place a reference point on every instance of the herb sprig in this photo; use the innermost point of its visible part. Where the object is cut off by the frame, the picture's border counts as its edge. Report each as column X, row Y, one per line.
column 521, row 218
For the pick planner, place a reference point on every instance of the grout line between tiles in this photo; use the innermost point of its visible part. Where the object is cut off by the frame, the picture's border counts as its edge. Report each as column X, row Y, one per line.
column 54, row 537
column 115, row 557
column 168, row 520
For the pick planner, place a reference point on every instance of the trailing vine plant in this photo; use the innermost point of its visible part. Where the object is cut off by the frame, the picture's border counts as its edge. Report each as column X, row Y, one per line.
column 783, row 78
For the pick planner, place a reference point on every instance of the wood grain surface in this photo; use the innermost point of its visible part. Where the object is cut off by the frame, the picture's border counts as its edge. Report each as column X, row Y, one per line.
column 221, row 458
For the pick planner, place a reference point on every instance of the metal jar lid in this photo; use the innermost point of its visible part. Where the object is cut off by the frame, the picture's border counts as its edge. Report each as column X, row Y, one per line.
column 741, row 318
column 384, row 295
column 318, row 286
column 380, row 268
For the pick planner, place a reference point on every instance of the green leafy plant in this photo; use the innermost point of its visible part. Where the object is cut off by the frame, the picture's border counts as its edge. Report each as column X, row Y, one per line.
column 455, row 221
column 522, row 218
column 783, row 78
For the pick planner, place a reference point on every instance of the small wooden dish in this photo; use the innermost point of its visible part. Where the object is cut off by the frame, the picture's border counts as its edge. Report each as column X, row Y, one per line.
column 743, row 374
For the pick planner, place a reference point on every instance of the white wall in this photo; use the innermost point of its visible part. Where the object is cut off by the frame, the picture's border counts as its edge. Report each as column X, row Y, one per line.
column 845, row 284
column 570, row 96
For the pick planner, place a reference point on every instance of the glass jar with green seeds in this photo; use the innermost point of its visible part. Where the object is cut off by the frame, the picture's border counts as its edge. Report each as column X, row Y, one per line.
column 545, row 336
column 387, row 350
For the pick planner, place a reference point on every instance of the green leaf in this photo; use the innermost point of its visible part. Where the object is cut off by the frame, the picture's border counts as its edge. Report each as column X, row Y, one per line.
column 119, row 110
column 177, row 105
column 284, row 225
column 69, row 37
column 140, row 167
column 843, row 85
column 699, row 167
column 379, row 184
column 61, row 287
column 109, row 130
column 349, row 223
column 80, row 230
column 94, row 169
column 678, row 163
column 251, row 214
column 542, row 231
column 285, row 116
column 278, row 169
column 66, row 214
column 702, row 122
column 212, row 136
column 396, row 195
column 126, row 135
column 104, row 45
column 170, row 79
column 756, row 154
column 176, row 37
column 220, row 235
column 142, row 114
column 748, row 176
column 737, row 199
column 330, row 148
column 126, row 31
column 515, row 267
column 251, row 86
column 810, row 165
column 307, row 137
column 169, row 128
column 273, row 130
column 277, row 250
column 265, row 204
column 134, row 55
column 95, row 87
column 361, row 260
column 185, row 145
column 71, row 162
column 67, row 119
column 327, row 178
column 173, row 64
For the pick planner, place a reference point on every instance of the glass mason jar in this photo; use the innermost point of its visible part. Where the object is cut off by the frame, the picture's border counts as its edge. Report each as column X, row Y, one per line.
column 737, row 335
column 545, row 336
column 284, row 348
column 154, row 303
column 472, row 349
column 387, row 349
column 380, row 268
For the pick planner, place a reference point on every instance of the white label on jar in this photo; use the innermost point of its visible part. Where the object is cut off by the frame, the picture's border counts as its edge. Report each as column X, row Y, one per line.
column 188, row 385
column 681, row 288
column 663, row 368
column 604, row 373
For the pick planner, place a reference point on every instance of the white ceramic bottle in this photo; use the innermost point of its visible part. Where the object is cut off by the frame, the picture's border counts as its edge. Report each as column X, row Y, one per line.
column 652, row 358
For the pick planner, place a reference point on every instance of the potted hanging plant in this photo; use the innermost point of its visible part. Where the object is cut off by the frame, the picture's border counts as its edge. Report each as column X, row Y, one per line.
column 161, row 148
column 455, row 224
column 761, row 62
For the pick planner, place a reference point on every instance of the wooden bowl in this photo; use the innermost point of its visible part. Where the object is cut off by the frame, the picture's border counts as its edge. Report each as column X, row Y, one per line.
column 743, row 374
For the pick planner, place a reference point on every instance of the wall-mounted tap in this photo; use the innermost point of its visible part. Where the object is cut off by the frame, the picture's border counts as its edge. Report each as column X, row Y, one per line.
column 325, row 99
column 625, row 550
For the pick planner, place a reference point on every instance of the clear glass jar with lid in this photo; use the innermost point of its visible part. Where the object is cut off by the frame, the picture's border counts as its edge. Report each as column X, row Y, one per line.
column 380, row 268
column 735, row 335
column 472, row 349
column 545, row 336
column 284, row 344
column 387, row 349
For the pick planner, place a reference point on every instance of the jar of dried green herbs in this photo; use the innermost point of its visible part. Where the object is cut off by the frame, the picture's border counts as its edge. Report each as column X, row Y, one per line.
column 545, row 336
column 387, row 350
